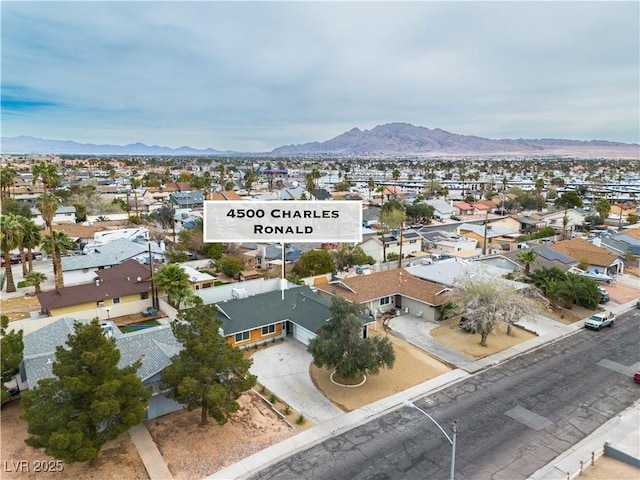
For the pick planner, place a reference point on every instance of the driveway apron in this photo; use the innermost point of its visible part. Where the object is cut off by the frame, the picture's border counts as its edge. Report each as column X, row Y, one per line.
column 283, row 368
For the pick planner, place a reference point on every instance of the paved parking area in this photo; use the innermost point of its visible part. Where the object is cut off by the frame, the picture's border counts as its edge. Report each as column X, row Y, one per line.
column 284, row 369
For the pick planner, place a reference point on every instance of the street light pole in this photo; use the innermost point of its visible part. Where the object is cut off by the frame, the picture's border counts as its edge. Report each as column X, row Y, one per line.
column 452, row 439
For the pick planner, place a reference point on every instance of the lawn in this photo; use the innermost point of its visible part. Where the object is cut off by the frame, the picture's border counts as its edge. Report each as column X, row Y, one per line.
column 138, row 326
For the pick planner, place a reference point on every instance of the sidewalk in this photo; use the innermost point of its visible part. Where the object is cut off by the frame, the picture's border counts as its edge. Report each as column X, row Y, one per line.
column 622, row 431
column 149, row 453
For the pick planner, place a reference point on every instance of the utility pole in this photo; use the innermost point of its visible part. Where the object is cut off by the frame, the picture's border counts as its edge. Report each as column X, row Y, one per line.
column 484, row 243
column 154, row 292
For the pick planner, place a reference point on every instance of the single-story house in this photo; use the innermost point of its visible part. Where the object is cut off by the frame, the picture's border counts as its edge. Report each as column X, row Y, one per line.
column 442, row 209
column 450, row 243
column 80, row 268
column 447, row 272
column 186, row 199
column 394, row 289
column 197, row 279
column 462, row 208
column 224, row 195
column 489, row 237
column 575, row 218
column 529, row 224
column 625, row 244
column 592, row 258
column 153, row 347
column 122, row 289
column 257, row 319
column 63, row 215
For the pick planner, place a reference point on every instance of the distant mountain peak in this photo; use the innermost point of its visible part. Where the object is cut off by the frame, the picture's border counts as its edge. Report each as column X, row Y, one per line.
column 400, row 138
column 31, row 145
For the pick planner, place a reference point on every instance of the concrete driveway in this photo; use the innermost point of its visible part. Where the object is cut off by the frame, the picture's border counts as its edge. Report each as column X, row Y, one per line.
column 284, row 369
column 416, row 330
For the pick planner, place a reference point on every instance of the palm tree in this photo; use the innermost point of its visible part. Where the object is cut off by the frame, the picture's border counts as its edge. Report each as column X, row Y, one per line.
column 396, row 176
column 35, row 279
column 48, row 173
column 173, row 280
column 48, row 205
column 221, row 172
column 7, row 174
column 528, row 257
column 135, row 184
column 10, row 238
column 57, row 244
column 370, row 185
column 31, row 238
column 570, row 289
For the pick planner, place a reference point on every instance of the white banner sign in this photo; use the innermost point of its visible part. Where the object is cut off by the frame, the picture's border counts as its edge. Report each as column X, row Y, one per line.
column 283, row 221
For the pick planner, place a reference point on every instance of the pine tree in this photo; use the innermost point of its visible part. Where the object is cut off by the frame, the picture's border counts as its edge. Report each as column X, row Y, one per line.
column 88, row 402
column 339, row 344
column 11, row 348
column 208, row 373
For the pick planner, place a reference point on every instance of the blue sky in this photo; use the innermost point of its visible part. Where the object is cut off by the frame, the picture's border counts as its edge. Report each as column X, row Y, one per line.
column 252, row 76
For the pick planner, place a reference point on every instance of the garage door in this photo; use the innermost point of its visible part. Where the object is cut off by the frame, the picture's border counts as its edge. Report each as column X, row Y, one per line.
column 302, row 334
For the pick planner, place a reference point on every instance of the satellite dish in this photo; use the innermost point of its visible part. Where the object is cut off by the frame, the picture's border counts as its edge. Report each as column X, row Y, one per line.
column 139, row 278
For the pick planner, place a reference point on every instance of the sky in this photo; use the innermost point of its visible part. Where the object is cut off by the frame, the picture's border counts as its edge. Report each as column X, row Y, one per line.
column 253, row 76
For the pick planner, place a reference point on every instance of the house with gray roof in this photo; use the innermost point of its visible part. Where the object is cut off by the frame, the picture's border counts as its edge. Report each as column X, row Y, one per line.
column 442, row 209
column 80, row 268
column 625, row 244
column 153, row 347
column 449, row 271
column 298, row 312
column 63, row 215
column 186, row 199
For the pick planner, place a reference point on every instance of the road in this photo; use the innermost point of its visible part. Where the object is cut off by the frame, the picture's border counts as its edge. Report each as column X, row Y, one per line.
column 513, row 418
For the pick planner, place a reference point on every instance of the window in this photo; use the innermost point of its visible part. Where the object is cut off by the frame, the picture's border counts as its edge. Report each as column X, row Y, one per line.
column 144, row 295
column 100, row 304
column 242, row 337
column 268, row 329
column 413, row 241
column 385, row 300
column 116, row 300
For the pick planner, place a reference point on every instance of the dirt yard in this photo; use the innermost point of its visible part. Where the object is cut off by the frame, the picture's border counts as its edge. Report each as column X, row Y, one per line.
column 18, row 308
column 449, row 335
column 412, row 367
column 607, row 468
column 191, row 451
column 20, row 461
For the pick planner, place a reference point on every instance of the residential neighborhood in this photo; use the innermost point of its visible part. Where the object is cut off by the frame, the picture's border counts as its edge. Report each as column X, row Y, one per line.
column 125, row 246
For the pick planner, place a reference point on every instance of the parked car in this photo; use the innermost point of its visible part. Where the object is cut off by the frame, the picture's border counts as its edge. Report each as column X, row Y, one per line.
column 456, row 218
column 600, row 320
column 604, row 295
column 636, row 377
column 15, row 259
column 467, row 324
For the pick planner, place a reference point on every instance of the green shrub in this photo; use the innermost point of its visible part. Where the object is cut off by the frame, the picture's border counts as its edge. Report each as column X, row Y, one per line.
column 22, row 284
column 300, row 420
column 287, row 410
column 273, row 398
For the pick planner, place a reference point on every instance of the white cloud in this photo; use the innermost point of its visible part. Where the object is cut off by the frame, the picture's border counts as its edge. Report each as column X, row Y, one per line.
column 256, row 75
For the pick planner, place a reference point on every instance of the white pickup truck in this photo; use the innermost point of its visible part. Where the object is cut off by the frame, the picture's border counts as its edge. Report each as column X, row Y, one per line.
column 600, row 320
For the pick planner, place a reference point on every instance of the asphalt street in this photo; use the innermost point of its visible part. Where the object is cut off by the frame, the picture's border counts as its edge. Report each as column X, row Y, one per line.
column 514, row 418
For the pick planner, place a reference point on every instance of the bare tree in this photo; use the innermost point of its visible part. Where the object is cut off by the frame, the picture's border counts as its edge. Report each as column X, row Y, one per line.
column 490, row 304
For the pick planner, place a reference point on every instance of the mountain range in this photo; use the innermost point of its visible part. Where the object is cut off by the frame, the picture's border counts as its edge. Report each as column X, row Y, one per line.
column 388, row 139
